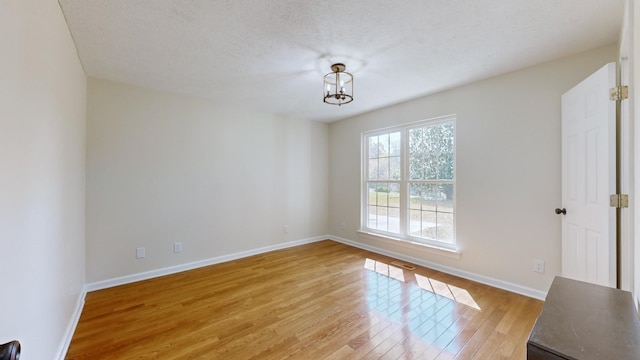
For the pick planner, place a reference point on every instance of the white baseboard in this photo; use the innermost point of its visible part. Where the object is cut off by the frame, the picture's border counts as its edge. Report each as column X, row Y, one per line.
column 71, row 327
column 504, row 285
column 98, row 285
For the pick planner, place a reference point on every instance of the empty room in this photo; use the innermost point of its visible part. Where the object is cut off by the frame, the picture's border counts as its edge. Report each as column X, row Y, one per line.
column 265, row 179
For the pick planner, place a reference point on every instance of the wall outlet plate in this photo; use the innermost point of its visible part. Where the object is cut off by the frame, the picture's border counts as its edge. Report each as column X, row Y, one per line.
column 538, row 265
column 140, row 253
column 177, row 247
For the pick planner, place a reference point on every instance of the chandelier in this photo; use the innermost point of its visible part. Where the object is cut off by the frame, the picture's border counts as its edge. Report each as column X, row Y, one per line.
column 338, row 86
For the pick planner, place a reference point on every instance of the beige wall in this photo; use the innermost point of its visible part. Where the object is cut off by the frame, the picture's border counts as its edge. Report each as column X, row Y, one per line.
column 42, row 177
column 163, row 168
column 508, row 168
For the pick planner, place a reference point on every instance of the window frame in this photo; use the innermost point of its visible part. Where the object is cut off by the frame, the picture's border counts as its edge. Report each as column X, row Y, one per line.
column 404, row 183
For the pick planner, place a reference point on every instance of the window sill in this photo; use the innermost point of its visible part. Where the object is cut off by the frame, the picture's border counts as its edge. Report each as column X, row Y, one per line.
column 411, row 245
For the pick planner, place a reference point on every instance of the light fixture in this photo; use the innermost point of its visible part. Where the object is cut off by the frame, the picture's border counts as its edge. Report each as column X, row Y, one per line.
column 338, row 86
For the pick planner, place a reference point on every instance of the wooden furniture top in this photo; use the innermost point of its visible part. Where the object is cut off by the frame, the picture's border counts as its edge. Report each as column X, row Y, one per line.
column 586, row 321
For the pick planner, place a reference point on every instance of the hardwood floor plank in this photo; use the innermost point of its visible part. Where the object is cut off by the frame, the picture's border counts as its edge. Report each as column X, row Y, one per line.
column 323, row 300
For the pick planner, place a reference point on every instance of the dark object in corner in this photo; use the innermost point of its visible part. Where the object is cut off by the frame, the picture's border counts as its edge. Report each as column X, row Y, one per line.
column 10, row 350
column 584, row 321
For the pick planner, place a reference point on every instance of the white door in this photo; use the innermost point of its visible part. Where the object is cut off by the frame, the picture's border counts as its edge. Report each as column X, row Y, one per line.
column 588, row 178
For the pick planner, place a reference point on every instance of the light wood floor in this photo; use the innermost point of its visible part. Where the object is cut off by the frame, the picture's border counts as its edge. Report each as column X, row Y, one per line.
column 324, row 300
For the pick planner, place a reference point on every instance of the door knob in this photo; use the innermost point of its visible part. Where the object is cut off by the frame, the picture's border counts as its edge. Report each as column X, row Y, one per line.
column 562, row 211
column 10, row 350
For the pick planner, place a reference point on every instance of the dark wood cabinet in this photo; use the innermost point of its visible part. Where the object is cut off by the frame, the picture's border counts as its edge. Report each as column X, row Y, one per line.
column 585, row 321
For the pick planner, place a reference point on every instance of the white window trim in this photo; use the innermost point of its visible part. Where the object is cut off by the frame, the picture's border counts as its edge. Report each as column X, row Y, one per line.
column 431, row 246
column 412, row 245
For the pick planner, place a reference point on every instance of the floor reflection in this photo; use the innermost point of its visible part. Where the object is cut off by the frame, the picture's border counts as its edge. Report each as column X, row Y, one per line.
column 427, row 308
column 451, row 292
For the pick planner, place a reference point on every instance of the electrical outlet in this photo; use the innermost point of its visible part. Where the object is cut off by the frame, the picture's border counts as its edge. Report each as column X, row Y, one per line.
column 286, row 229
column 140, row 253
column 343, row 225
column 177, row 247
column 538, row 265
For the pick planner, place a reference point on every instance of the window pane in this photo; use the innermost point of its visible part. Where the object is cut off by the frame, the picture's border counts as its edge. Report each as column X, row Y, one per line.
column 431, row 152
column 371, row 192
column 417, row 152
column 447, row 137
column 416, row 138
column 415, row 193
column 445, row 204
column 394, row 220
column 373, row 147
column 383, row 210
column 383, row 168
column 445, row 227
column 382, row 218
column 371, row 217
column 415, row 202
column 378, row 218
column 423, row 224
column 424, row 196
column 428, row 139
column 394, row 171
column 394, row 194
column 430, row 198
column 423, row 165
column 382, row 193
column 414, row 172
column 383, row 145
column 394, row 143
column 430, row 164
column 373, row 169
column 429, row 225
column 445, row 166
column 415, row 223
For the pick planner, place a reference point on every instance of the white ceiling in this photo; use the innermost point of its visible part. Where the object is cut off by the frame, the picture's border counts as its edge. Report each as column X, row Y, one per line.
column 270, row 55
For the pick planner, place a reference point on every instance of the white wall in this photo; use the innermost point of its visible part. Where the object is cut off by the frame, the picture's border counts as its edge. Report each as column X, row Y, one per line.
column 42, row 177
column 508, row 168
column 163, row 168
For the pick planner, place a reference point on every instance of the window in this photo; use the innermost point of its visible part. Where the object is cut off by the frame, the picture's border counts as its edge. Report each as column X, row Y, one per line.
column 409, row 182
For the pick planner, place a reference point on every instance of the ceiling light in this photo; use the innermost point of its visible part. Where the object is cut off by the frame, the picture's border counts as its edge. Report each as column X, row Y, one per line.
column 338, row 86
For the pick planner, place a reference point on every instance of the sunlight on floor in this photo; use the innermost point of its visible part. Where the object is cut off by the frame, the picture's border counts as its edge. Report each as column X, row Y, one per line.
column 384, row 269
column 427, row 308
column 449, row 291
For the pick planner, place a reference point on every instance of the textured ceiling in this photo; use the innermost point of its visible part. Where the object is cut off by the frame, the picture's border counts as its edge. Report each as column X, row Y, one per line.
column 270, row 55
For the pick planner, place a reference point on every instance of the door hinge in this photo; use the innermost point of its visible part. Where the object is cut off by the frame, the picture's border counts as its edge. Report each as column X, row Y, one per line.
column 619, row 93
column 619, row 201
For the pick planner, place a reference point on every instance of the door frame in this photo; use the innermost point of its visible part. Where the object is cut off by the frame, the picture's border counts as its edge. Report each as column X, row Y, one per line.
column 625, row 167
